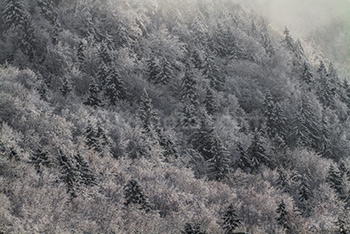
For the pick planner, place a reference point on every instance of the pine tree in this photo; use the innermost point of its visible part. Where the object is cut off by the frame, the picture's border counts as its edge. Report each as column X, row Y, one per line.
column 47, row 9
column 275, row 121
column 94, row 95
column 218, row 163
column 212, row 73
column 81, row 56
column 305, row 130
column 14, row 13
column 282, row 219
column 149, row 118
column 86, row 176
column 133, row 194
column 68, row 174
column 324, row 91
column 115, row 88
column 160, row 70
column 230, row 220
column 189, row 99
column 288, row 41
column 324, row 142
column 90, row 136
column 13, row 155
column 334, row 179
column 102, row 137
column 40, row 159
column 191, row 228
column 306, row 75
column 257, row 153
column 102, row 74
column 282, row 181
column 203, row 138
column 210, row 103
column 244, row 161
column 66, row 88
column 104, row 54
column 304, row 196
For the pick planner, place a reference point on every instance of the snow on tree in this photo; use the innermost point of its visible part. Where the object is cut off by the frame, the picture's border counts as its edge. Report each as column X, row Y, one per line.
column 306, row 75
column 134, row 195
column 210, row 103
column 114, row 88
column 94, row 95
column 160, row 70
column 219, row 162
column 68, row 174
column 282, row 219
column 14, row 13
column 86, row 176
column 191, row 228
column 324, row 91
column 211, row 72
column 189, row 98
column 40, row 159
column 282, row 180
column 257, row 152
column 230, row 220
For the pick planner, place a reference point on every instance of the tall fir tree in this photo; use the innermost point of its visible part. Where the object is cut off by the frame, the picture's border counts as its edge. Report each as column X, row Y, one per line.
column 257, row 152
column 85, row 174
column 40, row 160
column 94, row 95
column 219, row 162
column 230, row 220
column 189, row 98
column 191, row 228
column 68, row 174
column 210, row 103
column 14, row 13
column 282, row 219
column 114, row 88
column 134, row 195
column 307, row 76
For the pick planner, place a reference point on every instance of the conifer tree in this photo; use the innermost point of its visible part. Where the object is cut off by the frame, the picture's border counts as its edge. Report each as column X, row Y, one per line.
column 305, row 130
column 94, row 95
column 257, row 152
column 306, row 75
column 14, row 13
column 104, row 54
column 334, row 179
column 230, row 220
column 191, row 228
column 86, row 176
column 39, row 159
column 304, row 196
column 189, row 99
column 244, row 161
column 102, row 74
column 13, row 155
column 212, row 73
column 282, row 180
column 81, row 56
column 115, row 88
column 282, row 219
column 325, row 92
column 275, row 121
column 149, row 118
column 133, row 194
column 90, row 136
column 324, row 142
column 160, row 70
column 218, row 163
column 288, row 41
column 101, row 136
column 66, row 88
column 47, row 9
column 68, row 175
column 210, row 103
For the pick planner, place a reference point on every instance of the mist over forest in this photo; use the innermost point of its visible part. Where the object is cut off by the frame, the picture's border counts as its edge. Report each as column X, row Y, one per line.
column 174, row 116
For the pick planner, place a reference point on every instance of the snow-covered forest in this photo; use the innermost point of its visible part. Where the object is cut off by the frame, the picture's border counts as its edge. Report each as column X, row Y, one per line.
column 167, row 116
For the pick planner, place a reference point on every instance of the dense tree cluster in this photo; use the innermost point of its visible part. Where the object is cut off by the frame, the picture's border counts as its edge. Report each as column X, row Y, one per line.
column 162, row 116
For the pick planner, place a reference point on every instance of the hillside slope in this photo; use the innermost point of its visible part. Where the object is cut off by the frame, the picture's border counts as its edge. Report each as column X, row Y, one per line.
column 163, row 116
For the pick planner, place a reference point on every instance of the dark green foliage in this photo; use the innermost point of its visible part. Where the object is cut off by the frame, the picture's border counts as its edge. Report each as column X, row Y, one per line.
column 282, row 219
column 40, row 160
column 191, row 228
column 230, row 220
column 133, row 194
column 94, row 95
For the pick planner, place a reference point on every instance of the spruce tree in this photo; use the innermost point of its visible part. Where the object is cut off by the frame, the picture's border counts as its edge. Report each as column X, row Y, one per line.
column 324, row 91
column 212, row 73
column 324, row 142
column 282, row 219
column 275, row 120
column 104, row 54
column 102, row 74
column 133, row 194
column 94, row 95
column 282, row 181
column 148, row 116
column 304, row 196
column 66, row 88
column 90, row 136
column 230, row 220
column 218, row 163
column 160, row 70
column 68, row 174
column 115, row 88
column 257, row 152
column 307, row 76
column 191, row 228
column 288, row 41
column 305, row 130
column 334, row 179
column 40, row 159
column 244, row 161
column 81, row 56
column 86, row 176
column 14, row 13
column 210, row 103
column 189, row 99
